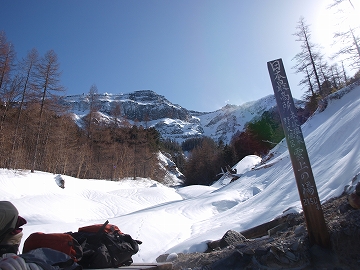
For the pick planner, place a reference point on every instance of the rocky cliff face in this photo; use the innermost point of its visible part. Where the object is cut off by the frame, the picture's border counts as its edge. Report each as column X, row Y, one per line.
column 144, row 105
column 149, row 109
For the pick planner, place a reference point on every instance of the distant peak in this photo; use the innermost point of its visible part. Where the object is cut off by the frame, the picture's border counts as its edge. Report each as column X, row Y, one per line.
column 145, row 92
column 230, row 106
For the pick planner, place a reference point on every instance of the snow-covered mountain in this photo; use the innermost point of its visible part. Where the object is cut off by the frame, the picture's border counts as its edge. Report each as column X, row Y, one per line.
column 149, row 109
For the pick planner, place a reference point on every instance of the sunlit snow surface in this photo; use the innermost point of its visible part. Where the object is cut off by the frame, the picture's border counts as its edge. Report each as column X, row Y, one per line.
column 176, row 220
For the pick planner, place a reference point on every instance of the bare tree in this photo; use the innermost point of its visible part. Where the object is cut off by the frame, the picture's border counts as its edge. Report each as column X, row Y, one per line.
column 7, row 57
column 10, row 90
column 306, row 59
column 26, row 69
column 351, row 47
column 116, row 112
column 48, row 83
column 344, row 73
column 336, row 76
column 7, row 85
column 93, row 98
column 9, row 95
column 350, row 38
column 336, row 3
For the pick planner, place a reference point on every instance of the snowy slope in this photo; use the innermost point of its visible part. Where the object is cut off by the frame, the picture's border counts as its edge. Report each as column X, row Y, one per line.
column 184, row 219
column 224, row 123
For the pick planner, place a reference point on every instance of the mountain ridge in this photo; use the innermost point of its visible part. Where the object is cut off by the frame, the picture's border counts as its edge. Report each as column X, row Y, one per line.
column 147, row 108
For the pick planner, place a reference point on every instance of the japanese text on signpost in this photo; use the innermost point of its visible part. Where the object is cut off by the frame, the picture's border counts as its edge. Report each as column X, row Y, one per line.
column 298, row 154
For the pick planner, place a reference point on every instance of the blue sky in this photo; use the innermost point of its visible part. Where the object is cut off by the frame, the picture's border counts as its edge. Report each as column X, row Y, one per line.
column 200, row 54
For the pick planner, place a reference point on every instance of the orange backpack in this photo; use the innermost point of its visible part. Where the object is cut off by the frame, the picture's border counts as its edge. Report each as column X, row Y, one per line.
column 63, row 242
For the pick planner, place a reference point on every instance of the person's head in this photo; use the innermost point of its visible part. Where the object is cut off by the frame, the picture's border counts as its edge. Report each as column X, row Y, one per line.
column 10, row 231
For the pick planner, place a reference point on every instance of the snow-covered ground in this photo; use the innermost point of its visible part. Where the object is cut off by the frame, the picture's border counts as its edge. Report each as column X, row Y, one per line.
column 173, row 220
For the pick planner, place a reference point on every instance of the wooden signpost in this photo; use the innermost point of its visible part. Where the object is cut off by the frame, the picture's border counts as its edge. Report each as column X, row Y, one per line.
column 314, row 217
